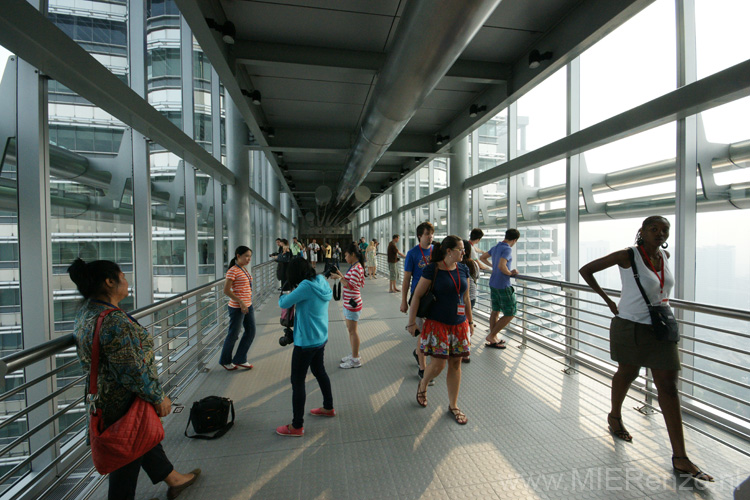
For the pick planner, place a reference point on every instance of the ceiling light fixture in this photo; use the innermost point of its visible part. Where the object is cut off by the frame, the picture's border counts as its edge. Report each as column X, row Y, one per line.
column 228, row 30
column 474, row 110
column 536, row 58
column 440, row 139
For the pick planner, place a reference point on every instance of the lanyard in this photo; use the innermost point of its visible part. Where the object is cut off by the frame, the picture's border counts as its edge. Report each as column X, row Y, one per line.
column 425, row 259
column 249, row 279
column 648, row 261
column 457, row 285
column 115, row 307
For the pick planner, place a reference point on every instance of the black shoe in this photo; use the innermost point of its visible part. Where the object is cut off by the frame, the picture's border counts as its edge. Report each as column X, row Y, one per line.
column 465, row 360
column 416, row 357
column 421, row 376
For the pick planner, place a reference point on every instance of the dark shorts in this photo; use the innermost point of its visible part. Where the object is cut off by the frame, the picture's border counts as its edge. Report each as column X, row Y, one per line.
column 632, row 343
column 504, row 299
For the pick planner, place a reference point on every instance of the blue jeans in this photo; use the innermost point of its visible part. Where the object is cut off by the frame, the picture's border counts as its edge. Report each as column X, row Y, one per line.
column 237, row 319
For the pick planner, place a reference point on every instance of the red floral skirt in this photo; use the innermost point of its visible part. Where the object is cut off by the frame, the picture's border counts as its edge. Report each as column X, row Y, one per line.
column 445, row 341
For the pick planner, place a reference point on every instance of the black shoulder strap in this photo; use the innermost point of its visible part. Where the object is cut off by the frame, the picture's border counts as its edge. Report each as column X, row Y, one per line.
column 219, row 433
column 637, row 277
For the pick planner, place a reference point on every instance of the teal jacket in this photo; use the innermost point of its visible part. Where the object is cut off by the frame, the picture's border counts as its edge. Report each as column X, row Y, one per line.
column 311, row 299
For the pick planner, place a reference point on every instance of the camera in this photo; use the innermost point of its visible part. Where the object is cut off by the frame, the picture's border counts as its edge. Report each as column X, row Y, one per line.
column 287, row 338
column 330, row 268
column 352, row 302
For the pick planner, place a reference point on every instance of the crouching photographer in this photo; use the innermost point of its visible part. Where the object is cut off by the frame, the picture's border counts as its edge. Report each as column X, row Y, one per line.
column 309, row 296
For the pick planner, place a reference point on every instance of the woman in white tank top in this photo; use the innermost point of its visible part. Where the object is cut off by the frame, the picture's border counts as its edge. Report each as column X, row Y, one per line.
column 632, row 341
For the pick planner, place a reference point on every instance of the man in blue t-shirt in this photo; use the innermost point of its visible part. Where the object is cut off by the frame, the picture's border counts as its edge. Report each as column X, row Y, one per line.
column 502, row 293
column 415, row 261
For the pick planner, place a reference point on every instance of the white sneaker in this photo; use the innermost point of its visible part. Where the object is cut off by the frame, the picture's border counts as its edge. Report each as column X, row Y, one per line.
column 351, row 363
column 346, row 358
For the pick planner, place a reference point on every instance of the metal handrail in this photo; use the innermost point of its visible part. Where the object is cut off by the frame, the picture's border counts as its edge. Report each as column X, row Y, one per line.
column 574, row 357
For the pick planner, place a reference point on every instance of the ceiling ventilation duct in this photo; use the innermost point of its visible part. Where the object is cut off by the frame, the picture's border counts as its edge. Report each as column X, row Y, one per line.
column 428, row 41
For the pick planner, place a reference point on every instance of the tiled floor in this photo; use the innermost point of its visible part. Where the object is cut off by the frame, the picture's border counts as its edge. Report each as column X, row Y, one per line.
column 533, row 431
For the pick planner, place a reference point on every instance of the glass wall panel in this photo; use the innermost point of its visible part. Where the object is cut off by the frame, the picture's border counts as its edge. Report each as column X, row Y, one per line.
column 540, row 251
column 721, row 34
column 168, row 223
column 541, row 114
column 632, row 65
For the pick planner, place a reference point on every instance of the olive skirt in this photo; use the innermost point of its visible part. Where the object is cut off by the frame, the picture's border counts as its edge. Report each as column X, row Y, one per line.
column 635, row 344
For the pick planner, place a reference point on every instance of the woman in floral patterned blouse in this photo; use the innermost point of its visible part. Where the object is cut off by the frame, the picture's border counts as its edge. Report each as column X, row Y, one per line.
column 126, row 370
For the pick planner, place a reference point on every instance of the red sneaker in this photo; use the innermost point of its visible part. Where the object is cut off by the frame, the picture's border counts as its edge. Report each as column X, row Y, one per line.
column 244, row 366
column 322, row 412
column 288, row 430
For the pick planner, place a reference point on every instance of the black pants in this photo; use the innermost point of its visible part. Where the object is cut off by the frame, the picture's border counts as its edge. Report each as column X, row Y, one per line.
column 302, row 359
column 122, row 482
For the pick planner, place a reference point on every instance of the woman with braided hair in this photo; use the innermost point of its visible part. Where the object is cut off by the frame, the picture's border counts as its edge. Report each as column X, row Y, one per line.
column 633, row 343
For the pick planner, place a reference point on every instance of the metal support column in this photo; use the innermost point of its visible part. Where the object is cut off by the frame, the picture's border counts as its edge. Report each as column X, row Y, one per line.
column 460, row 170
column 571, row 215
column 512, row 199
column 474, row 171
column 188, row 118
column 686, row 186
column 238, row 196
column 274, row 199
column 142, row 230
column 35, row 249
column 217, row 208
column 396, row 202
column 371, row 219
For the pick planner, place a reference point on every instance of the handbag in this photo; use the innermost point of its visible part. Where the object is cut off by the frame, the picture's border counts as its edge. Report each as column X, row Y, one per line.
column 131, row 436
column 662, row 318
column 428, row 299
column 210, row 414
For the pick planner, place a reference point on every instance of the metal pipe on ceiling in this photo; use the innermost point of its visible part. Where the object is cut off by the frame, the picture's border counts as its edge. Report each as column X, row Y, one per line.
column 430, row 38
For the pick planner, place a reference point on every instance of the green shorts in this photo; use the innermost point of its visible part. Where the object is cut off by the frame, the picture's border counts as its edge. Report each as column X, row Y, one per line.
column 504, row 299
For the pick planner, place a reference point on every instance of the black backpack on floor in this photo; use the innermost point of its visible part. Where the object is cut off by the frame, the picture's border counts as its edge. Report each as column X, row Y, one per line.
column 210, row 414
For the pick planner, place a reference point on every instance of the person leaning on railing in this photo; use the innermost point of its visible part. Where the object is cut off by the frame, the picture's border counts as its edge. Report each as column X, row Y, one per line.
column 633, row 343
column 127, row 370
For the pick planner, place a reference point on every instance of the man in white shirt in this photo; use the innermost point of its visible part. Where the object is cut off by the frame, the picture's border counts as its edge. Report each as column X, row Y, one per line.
column 312, row 250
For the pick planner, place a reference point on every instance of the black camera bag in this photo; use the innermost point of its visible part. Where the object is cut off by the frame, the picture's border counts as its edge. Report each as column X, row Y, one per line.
column 210, row 414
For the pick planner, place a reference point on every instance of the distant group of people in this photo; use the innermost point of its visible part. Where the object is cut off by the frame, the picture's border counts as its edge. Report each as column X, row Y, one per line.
column 445, row 275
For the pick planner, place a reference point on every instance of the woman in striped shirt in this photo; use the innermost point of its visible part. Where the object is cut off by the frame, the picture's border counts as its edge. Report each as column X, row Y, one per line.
column 353, row 282
column 239, row 288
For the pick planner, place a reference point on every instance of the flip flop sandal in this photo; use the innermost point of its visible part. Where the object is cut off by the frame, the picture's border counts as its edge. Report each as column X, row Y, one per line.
column 496, row 345
column 460, row 416
column 700, row 475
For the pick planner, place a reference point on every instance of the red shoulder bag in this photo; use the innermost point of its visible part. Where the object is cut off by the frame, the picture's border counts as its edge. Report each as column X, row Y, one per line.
column 137, row 432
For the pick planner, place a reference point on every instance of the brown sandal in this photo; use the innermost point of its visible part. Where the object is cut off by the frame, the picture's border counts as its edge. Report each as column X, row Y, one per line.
column 460, row 416
column 421, row 396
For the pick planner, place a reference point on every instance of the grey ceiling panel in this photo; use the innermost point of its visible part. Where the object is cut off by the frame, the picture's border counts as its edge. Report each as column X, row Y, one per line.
column 342, row 75
column 530, row 15
column 448, row 99
column 380, row 7
column 290, row 113
column 499, row 45
column 311, row 90
column 309, row 26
